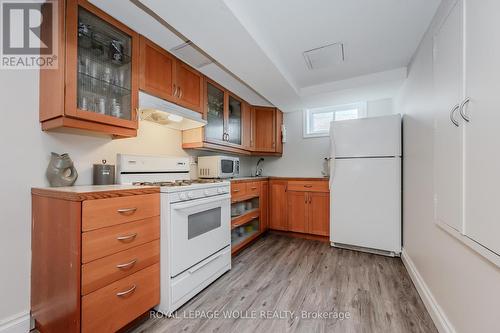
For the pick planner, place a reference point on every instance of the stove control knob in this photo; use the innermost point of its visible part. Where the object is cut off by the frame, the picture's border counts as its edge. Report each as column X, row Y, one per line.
column 182, row 196
column 190, row 195
column 206, row 192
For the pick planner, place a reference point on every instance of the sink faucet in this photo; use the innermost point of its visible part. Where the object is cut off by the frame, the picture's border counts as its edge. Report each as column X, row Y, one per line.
column 258, row 171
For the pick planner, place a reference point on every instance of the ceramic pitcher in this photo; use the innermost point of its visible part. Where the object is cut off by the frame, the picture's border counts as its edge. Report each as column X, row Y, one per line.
column 61, row 171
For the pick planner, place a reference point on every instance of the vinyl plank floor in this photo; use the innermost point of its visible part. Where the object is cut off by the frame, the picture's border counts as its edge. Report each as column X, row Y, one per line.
column 296, row 285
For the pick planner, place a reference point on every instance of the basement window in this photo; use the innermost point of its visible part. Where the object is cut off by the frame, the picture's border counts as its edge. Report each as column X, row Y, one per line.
column 317, row 121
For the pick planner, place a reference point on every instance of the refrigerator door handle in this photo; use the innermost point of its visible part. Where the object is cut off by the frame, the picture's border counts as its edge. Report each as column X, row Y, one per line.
column 332, row 160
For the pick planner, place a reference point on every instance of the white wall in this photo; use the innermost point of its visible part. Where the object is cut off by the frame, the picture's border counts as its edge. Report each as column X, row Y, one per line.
column 465, row 286
column 304, row 157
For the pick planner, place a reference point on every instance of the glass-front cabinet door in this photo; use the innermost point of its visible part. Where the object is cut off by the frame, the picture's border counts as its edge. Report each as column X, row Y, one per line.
column 106, row 80
column 234, row 120
column 214, row 130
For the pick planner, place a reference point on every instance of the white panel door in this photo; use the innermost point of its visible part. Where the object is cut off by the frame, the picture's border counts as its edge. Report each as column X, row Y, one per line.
column 482, row 135
column 377, row 136
column 448, row 81
column 365, row 203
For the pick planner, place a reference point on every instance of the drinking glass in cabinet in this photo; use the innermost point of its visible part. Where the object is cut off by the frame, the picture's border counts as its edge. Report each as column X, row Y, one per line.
column 104, row 67
column 215, row 113
column 234, row 118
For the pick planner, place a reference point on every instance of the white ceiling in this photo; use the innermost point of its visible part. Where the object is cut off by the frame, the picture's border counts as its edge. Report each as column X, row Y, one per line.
column 261, row 42
column 378, row 35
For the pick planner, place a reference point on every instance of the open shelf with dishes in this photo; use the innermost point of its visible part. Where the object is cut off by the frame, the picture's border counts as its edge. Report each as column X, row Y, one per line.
column 245, row 218
column 245, row 223
column 245, row 233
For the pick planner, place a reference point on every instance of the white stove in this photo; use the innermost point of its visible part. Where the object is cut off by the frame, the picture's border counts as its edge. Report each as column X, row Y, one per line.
column 195, row 224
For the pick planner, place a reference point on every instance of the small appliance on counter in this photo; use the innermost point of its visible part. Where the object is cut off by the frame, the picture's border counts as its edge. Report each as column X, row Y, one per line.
column 218, row 166
column 103, row 174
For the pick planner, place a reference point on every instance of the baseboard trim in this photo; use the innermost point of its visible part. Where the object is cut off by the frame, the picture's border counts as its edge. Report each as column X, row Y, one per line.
column 19, row 323
column 442, row 323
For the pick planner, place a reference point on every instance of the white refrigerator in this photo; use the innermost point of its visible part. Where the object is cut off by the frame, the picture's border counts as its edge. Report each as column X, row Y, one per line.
column 365, row 184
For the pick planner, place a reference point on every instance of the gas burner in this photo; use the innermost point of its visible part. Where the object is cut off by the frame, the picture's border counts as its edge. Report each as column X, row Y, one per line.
column 206, row 181
column 178, row 182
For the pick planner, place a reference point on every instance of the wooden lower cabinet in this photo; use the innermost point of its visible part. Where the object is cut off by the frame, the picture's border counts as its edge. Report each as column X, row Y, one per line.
column 115, row 305
column 101, row 279
column 264, row 206
column 278, row 205
column 301, row 206
column 319, row 214
column 297, row 211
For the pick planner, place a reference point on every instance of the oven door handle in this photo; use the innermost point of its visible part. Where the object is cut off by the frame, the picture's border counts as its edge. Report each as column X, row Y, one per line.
column 203, row 264
column 191, row 203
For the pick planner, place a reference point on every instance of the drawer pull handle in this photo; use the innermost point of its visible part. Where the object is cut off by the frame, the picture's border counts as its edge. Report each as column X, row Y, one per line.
column 308, row 186
column 236, row 190
column 126, row 210
column 254, row 188
column 126, row 292
column 254, row 217
column 126, row 238
column 127, row 265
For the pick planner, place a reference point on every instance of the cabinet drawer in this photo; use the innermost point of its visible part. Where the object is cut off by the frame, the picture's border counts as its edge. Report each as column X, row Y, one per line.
column 238, row 189
column 99, row 273
column 103, row 242
column 253, row 188
column 308, row 186
column 107, row 212
column 112, row 307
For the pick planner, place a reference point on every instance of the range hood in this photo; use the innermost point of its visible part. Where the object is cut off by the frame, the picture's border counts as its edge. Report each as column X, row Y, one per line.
column 157, row 110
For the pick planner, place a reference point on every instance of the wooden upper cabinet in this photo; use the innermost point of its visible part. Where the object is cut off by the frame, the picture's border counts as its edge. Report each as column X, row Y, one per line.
column 215, row 130
column 278, row 205
column 189, row 87
column 247, row 134
column 157, row 70
column 166, row 77
column 264, row 129
column 228, row 122
column 234, row 120
column 96, row 85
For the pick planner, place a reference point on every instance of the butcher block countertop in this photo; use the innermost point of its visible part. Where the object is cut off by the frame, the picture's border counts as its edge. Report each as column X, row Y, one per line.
column 91, row 192
column 254, row 179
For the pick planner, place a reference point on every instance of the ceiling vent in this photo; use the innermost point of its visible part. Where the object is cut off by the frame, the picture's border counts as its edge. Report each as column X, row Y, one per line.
column 190, row 54
column 325, row 56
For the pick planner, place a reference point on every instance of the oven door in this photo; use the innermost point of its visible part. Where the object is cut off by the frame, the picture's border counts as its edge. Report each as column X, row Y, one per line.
column 199, row 228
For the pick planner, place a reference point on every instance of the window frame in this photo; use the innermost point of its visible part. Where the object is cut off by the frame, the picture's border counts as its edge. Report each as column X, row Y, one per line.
column 307, row 116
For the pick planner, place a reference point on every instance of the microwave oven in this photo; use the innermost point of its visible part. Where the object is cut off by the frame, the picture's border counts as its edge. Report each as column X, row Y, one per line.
column 218, row 166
